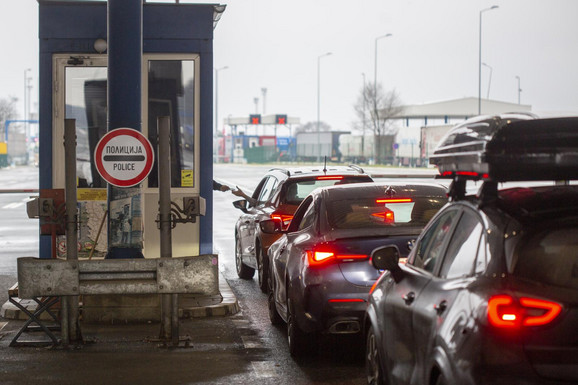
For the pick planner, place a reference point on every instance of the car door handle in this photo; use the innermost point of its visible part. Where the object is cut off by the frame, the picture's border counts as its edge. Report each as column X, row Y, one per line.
column 408, row 298
column 441, row 307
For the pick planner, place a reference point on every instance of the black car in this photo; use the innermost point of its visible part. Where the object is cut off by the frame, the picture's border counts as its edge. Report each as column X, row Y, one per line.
column 320, row 271
column 489, row 293
column 277, row 196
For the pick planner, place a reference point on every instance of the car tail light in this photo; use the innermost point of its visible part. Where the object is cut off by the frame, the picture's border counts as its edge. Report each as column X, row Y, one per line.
column 334, row 177
column 505, row 311
column 321, row 257
column 285, row 219
column 388, row 216
column 393, row 200
column 345, row 300
column 471, row 174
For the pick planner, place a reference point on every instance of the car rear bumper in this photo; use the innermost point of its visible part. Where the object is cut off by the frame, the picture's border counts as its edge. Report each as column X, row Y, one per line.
column 329, row 310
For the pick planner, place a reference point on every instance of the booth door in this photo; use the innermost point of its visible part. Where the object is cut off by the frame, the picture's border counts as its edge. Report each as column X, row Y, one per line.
column 170, row 88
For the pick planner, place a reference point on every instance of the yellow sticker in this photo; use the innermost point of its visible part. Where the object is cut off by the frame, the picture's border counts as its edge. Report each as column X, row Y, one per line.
column 186, row 178
column 91, row 194
column 3, row 148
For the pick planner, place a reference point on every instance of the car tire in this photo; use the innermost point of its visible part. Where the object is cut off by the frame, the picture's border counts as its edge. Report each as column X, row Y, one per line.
column 274, row 316
column 263, row 269
column 297, row 338
column 441, row 380
column 243, row 271
column 375, row 375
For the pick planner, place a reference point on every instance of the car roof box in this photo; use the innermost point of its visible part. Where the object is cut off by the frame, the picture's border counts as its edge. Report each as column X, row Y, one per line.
column 510, row 147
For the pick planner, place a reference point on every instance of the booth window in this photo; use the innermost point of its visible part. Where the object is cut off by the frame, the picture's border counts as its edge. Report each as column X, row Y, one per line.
column 85, row 101
column 171, row 92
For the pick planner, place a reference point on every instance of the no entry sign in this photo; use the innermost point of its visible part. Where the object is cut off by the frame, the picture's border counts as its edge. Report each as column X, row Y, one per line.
column 124, row 157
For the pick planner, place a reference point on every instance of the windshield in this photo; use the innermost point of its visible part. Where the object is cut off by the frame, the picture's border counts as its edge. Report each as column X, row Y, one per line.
column 377, row 212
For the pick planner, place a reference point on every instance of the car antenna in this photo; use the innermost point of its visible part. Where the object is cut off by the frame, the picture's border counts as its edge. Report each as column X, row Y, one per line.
column 325, row 164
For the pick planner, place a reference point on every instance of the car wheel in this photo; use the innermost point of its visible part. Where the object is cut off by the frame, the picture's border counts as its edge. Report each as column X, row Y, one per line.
column 263, row 269
column 297, row 338
column 441, row 380
column 243, row 271
column 372, row 366
column 274, row 316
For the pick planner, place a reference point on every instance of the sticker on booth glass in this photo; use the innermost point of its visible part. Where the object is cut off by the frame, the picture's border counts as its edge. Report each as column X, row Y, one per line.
column 186, row 178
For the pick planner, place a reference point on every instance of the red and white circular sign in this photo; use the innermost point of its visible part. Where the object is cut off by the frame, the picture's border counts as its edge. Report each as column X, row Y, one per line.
column 124, row 157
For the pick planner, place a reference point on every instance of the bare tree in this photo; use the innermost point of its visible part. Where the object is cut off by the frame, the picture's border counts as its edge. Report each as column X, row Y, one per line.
column 7, row 111
column 312, row 127
column 377, row 109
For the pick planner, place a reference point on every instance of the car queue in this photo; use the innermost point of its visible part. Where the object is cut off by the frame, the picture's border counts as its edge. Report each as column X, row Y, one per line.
column 482, row 290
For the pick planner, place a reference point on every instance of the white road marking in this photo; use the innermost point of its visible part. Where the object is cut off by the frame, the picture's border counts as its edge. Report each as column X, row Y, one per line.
column 251, row 342
column 13, row 205
column 264, row 368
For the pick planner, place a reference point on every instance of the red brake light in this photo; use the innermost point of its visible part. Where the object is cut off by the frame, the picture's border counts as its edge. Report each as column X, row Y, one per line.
column 319, row 257
column 335, row 177
column 472, row 174
column 285, row 219
column 344, row 300
column 316, row 258
column 505, row 311
column 393, row 200
column 551, row 311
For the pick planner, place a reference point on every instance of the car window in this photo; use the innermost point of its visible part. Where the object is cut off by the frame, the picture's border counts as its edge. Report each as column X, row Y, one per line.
column 374, row 212
column 297, row 190
column 430, row 245
column 267, row 189
column 460, row 256
column 308, row 217
column 550, row 257
column 301, row 210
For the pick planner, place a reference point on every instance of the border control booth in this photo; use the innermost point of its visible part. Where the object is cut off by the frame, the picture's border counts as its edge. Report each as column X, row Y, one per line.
column 176, row 83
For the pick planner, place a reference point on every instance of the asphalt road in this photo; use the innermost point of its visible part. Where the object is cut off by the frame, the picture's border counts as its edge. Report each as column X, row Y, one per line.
column 239, row 349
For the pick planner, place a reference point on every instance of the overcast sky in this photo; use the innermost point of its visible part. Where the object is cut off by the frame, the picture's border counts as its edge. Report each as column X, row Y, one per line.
column 432, row 54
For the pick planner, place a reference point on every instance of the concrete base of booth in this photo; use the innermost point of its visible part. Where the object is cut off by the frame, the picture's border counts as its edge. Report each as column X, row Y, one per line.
column 140, row 308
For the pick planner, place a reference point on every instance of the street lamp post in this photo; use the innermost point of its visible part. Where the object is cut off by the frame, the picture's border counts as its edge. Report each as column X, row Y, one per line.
column 519, row 89
column 217, row 102
column 375, row 64
column 364, row 113
column 490, row 80
column 480, row 61
column 319, row 103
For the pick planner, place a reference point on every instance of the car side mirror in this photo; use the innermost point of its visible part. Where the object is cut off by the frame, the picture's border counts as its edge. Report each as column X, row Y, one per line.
column 387, row 258
column 241, row 205
column 271, row 226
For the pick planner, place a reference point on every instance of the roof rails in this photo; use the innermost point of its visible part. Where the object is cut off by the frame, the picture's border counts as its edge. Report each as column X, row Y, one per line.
column 357, row 168
column 283, row 170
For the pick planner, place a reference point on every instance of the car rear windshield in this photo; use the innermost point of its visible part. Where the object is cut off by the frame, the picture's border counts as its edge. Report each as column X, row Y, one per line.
column 550, row 257
column 376, row 212
column 297, row 191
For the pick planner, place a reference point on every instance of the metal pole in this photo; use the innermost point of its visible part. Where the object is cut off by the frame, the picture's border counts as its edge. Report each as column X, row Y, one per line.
column 364, row 112
column 264, row 92
column 217, row 103
column 319, row 103
column 490, row 79
column 125, row 29
column 71, row 217
column 519, row 89
column 169, row 327
column 480, row 60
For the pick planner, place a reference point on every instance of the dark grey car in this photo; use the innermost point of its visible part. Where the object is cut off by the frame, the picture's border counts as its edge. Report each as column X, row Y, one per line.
column 320, row 270
column 489, row 293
